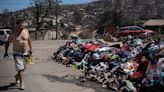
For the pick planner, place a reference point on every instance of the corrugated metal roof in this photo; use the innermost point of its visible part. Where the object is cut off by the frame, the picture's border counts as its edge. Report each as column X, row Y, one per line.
column 154, row 22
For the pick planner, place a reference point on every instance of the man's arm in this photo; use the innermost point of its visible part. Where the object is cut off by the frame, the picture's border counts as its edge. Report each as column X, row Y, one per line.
column 29, row 42
column 7, row 45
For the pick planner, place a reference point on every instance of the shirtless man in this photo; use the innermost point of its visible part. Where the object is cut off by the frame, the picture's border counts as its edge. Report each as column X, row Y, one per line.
column 21, row 46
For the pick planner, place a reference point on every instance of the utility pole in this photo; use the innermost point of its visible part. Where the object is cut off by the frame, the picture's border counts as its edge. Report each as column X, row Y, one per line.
column 156, row 8
column 136, row 7
column 57, row 19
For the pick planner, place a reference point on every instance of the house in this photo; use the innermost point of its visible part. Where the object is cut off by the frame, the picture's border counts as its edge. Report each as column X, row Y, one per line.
column 155, row 24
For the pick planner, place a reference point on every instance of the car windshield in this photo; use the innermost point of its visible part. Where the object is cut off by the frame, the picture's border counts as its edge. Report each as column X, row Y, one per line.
column 1, row 32
column 130, row 29
column 134, row 28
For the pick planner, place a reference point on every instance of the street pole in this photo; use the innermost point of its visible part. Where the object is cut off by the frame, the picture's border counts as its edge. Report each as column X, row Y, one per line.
column 135, row 17
column 56, row 19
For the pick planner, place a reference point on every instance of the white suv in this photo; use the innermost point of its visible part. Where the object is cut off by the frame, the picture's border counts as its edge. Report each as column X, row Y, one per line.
column 4, row 34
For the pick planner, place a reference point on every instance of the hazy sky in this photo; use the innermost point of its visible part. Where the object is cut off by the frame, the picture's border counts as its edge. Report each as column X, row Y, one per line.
column 13, row 5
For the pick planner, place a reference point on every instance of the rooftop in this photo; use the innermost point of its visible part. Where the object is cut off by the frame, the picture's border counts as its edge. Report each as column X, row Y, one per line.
column 154, row 22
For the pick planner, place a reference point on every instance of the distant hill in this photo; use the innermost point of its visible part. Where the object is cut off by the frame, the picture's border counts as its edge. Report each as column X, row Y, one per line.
column 95, row 14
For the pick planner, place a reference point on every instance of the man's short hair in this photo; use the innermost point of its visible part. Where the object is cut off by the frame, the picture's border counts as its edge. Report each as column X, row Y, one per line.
column 19, row 21
column 22, row 23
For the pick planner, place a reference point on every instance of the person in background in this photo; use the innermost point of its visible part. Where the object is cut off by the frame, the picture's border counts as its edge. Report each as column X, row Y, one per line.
column 76, row 39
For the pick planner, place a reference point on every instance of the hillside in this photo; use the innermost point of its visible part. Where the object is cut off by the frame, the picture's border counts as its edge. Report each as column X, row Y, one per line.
column 94, row 15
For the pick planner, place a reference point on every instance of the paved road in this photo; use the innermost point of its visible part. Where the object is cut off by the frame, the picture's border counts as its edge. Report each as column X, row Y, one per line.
column 44, row 75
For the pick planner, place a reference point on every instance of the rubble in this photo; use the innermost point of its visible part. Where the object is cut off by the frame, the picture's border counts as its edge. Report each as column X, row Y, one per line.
column 128, row 66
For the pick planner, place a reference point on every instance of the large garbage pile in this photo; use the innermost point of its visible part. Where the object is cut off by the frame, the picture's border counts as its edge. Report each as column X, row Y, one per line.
column 132, row 65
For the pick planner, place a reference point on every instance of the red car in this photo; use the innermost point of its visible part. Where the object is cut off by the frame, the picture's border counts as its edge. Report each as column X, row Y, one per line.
column 132, row 30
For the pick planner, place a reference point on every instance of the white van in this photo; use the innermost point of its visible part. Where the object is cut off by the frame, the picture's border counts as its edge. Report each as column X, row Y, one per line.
column 4, row 34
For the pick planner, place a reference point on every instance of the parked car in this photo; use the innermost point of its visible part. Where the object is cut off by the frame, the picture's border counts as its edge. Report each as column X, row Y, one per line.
column 4, row 34
column 132, row 30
